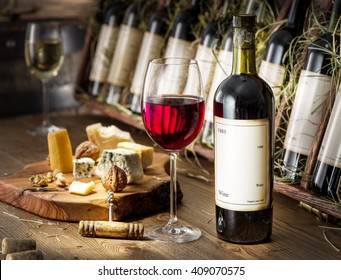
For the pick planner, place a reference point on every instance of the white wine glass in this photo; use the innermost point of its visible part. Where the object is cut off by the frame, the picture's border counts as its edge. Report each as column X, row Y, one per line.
column 173, row 109
column 44, row 57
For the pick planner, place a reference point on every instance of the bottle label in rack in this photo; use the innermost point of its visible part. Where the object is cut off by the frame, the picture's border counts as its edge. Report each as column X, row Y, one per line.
column 125, row 56
column 274, row 75
column 206, row 61
column 330, row 151
column 311, row 94
column 180, row 48
column 242, row 158
column 151, row 48
column 222, row 69
column 105, row 47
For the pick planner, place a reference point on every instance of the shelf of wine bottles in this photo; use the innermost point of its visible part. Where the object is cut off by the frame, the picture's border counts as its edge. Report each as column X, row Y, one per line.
column 128, row 34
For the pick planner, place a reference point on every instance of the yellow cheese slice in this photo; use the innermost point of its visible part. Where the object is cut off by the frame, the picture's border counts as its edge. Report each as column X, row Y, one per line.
column 146, row 153
column 81, row 188
column 60, row 150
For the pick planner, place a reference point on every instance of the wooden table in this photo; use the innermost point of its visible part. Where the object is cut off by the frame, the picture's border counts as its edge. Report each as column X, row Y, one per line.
column 297, row 233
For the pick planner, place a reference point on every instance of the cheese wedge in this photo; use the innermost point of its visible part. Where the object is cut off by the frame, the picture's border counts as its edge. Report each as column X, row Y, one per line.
column 81, row 188
column 60, row 150
column 146, row 153
column 107, row 137
column 91, row 131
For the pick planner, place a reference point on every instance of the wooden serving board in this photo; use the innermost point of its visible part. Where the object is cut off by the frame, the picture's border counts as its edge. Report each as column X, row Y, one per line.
column 145, row 196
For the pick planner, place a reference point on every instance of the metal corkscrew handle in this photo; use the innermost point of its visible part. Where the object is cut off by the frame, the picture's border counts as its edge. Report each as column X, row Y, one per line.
column 111, row 205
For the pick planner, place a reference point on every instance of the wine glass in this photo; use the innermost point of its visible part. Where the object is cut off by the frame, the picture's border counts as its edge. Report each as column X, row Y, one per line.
column 173, row 109
column 44, row 57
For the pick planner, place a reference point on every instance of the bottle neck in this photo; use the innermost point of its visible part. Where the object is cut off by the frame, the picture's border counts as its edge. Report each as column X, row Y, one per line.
column 195, row 4
column 256, row 7
column 244, row 53
column 297, row 12
column 334, row 16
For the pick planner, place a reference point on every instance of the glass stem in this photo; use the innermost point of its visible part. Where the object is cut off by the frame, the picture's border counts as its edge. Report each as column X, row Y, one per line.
column 173, row 190
column 46, row 116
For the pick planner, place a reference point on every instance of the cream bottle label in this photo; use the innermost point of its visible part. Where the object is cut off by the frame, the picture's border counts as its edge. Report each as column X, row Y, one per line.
column 124, row 60
column 105, row 47
column 206, row 61
column 274, row 75
column 242, row 158
column 311, row 94
column 330, row 151
column 222, row 70
column 151, row 48
column 179, row 48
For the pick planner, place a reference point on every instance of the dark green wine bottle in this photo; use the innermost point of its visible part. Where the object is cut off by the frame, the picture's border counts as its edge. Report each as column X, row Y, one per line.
column 244, row 111
column 314, row 85
column 105, row 48
column 272, row 68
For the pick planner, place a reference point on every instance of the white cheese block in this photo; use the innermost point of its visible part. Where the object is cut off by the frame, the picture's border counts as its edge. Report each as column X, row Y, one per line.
column 82, row 167
column 146, row 153
column 81, row 188
column 107, row 137
column 128, row 160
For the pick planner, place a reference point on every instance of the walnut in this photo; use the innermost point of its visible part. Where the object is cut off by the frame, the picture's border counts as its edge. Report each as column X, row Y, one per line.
column 49, row 177
column 60, row 180
column 114, row 179
column 38, row 181
column 87, row 149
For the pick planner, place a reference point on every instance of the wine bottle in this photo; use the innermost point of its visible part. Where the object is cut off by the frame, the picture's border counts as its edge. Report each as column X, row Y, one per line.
column 209, row 42
column 244, row 111
column 326, row 177
column 272, row 68
column 125, row 56
column 180, row 42
column 313, row 88
column 152, row 44
column 105, row 48
column 223, row 69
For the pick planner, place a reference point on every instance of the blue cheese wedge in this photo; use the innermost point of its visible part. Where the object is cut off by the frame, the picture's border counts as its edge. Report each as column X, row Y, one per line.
column 146, row 153
column 128, row 160
column 82, row 167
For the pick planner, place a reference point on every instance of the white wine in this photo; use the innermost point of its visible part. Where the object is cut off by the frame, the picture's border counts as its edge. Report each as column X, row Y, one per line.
column 44, row 57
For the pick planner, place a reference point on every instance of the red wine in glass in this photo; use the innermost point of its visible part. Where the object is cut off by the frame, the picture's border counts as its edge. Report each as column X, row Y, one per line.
column 173, row 110
column 174, row 122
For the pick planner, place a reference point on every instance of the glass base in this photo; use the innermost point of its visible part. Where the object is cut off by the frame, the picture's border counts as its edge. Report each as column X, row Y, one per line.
column 173, row 233
column 42, row 130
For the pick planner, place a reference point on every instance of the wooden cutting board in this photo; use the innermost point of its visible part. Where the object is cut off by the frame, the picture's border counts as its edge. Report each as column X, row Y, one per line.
column 145, row 196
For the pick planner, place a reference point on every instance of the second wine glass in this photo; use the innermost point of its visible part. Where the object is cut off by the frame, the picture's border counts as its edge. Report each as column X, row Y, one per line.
column 173, row 108
column 44, row 56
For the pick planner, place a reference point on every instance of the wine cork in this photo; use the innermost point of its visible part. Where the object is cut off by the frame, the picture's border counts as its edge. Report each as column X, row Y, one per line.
column 111, row 229
column 13, row 245
column 26, row 255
